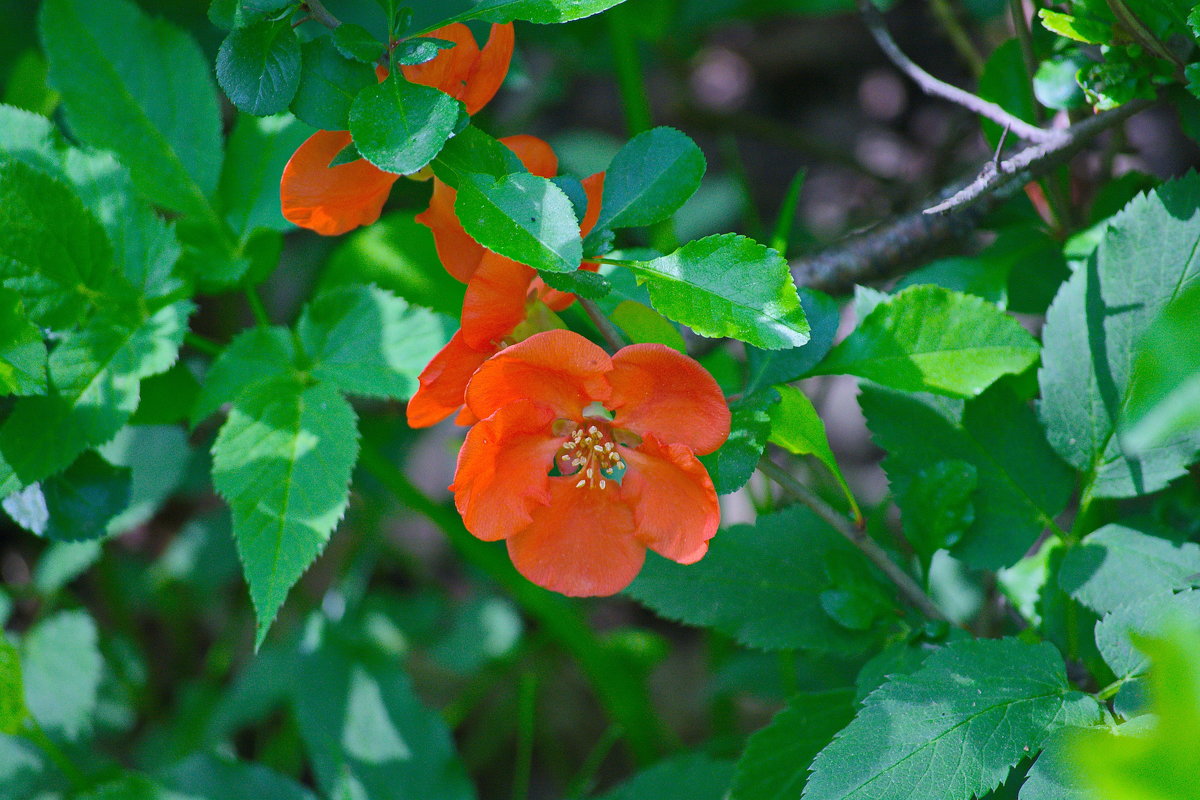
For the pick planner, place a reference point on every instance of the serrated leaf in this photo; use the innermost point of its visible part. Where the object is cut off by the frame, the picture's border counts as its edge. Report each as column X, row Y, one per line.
column 952, row 729
column 937, row 505
column 282, row 461
column 691, row 776
column 522, row 217
column 22, row 351
column 356, row 42
column 51, row 272
column 582, row 283
column 929, row 339
column 1079, row 29
column 61, row 666
column 545, row 12
column 254, row 355
column 369, row 342
column 473, row 151
column 31, row 138
column 1121, row 563
column 775, row 763
column 83, row 499
column 95, row 372
column 141, row 88
column 12, row 690
column 329, row 82
column 1022, row 486
column 1056, row 775
column 731, row 466
column 797, row 428
column 257, row 152
column 759, row 584
column 258, row 66
column 649, row 178
column 728, row 285
column 767, row 367
column 1118, row 633
column 1149, row 254
column 400, row 126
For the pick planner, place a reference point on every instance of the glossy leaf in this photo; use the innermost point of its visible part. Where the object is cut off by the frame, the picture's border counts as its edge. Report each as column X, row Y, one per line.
column 473, row 151
column 928, row 339
column 400, row 126
column 766, row 367
column 728, row 285
column 329, row 82
column 522, row 217
column 797, row 428
column 731, row 466
column 258, row 66
column 542, row 11
column 1121, row 563
column 649, row 178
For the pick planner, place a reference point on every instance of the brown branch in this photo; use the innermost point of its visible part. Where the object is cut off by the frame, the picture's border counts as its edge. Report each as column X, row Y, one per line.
column 865, row 544
column 612, row 336
column 938, row 88
column 321, row 14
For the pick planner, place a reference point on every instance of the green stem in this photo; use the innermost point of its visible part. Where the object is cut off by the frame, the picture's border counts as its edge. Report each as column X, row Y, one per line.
column 526, row 710
column 630, row 82
column 34, row 733
column 198, row 342
column 612, row 337
column 957, row 35
column 621, row 693
column 257, row 308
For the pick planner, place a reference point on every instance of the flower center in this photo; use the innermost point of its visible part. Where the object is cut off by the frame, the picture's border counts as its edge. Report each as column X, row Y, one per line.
column 590, row 456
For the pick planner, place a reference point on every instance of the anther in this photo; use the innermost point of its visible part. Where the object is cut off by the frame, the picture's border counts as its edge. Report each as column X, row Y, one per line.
column 602, row 483
column 580, row 484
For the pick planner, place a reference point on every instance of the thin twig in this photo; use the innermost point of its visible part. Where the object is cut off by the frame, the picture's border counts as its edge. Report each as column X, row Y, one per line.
column 943, row 12
column 865, row 544
column 938, row 88
column 609, row 331
column 321, row 14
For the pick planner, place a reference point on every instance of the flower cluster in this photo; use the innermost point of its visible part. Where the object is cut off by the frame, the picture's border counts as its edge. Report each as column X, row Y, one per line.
column 579, row 460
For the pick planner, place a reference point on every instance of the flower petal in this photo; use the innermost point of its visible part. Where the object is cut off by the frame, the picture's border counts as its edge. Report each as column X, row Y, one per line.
column 490, row 68
column 458, row 252
column 559, row 369
column 444, row 383
column 593, row 187
column 450, row 69
column 661, row 391
column 331, row 200
column 503, row 469
column 537, row 156
column 675, row 507
column 495, row 300
column 581, row 544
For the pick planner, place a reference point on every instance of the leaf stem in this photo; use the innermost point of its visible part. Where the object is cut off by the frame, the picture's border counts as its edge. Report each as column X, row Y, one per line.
column 257, row 308
column 526, row 710
column 612, row 337
column 630, row 82
column 857, row 537
column 34, row 733
column 204, row 345
column 957, row 35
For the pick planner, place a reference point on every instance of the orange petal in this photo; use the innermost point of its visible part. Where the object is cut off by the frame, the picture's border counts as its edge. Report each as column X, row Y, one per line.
column 495, row 300
column 444, row 383
column 675, row 507
column 537, row 156
column 559, row 369
column 490, row 68
column 458, row 252
column 661, row 391
column 581, row 544
column 593, row 187
column 450, row 69
column 331, row 200
column 502, row 473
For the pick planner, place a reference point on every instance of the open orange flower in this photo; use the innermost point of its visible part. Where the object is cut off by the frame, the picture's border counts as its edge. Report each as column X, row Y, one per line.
column 334, row 200
column 581, row 461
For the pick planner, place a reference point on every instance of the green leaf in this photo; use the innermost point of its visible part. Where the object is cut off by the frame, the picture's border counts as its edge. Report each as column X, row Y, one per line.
column 1149, row 254
column 55, row 275
column 141, row 88
column 1056, row 775
column 282, row 461
column 685, row 777
column 952, row 729
column 61, row 665
column 473, row 151
column 22, row 351
column 649, row 178
column 937, row 505
column 255, row 355
column 32, row 138
column 522, row 217
column 1005, row 82
column 929, row 339
column 159, row 459
column 356, row 42
column 595, row 286
column 759, row 584
column 731, row 466
column 207, row 777
column 1121, row 563
column 728, row 285
column 259, row 148
column 797, row 428
column 367, row 734
column 95, row 372
column 400, row 126
column 12, row 690
column 369, row 342
column 766, row 367
column 1021, row 485
column 419, row 50
column 258, row 66
column 329, row 82
column 1079, row 29
column 63, row 562
column 775, row 763
column 1164, row 390
column 1119, row 632
column 83, row 499
column 545, row 12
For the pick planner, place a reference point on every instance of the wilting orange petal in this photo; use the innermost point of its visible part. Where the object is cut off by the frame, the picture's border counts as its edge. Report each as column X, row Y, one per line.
column 675, row 507
column 495, row 300
column 490, row 68
column 559, row 369
column 444, row 383
column 581, row 544
column 458, row 252
column 503, row 467
column 593, row 187
column 537, row 156
column 331, row 200
column 661, row 391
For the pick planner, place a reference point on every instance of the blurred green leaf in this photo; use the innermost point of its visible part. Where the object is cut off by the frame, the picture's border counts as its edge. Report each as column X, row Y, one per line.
column 1005, row 82
column 1080, row 29
column 400, row 126
column 522, row 217
column 61, row 666
column 12, row 689
column 544, row 12
column 27, row 86
column 82, row 499
column 1055, row 84
column 766, row 367
column 643, row 324
column 1121, row 563
column 1056, row 775
column 206, row 777
column 1119, row 632
column 797, row 428
column 22, row 351
column 728, row 285
column 356, row 42
column 685, row 777
column 329, row 82
column 259, row 148
column 1164, row 388
column 258, row 66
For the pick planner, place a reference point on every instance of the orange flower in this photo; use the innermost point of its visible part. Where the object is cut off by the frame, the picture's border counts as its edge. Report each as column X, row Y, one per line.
column 581, row 461
column 334, row 200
